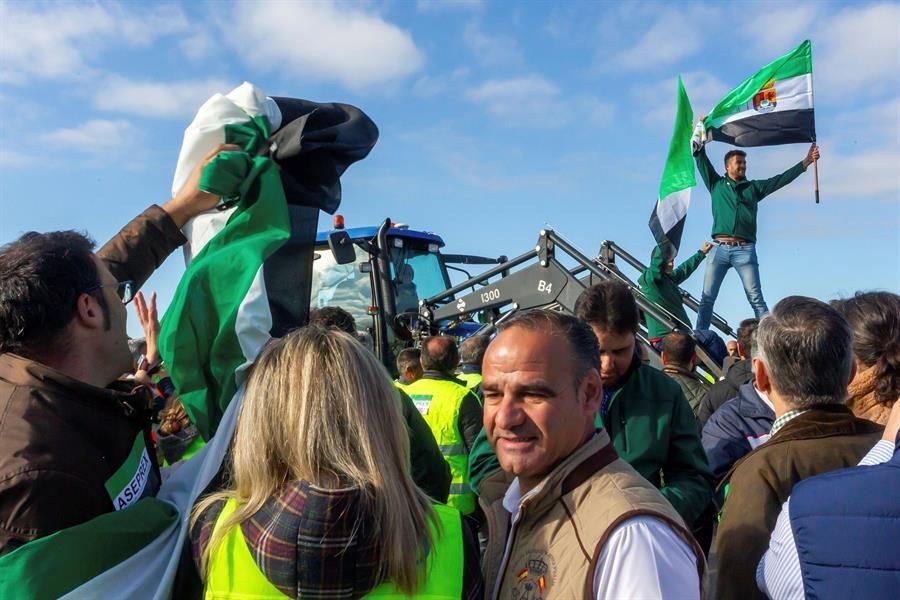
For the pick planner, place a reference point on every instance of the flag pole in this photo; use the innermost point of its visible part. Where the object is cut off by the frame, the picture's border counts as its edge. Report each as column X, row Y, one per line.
column 816, row 177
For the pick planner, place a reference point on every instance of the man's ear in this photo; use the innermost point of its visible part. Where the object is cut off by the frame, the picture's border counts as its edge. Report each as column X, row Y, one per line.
column 662, row 356
column 88, row 312
column 591, row 392
column 762, row 376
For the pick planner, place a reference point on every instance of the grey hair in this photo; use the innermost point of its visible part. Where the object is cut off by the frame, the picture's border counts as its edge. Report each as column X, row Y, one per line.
column 807, row 349
column 754, row 347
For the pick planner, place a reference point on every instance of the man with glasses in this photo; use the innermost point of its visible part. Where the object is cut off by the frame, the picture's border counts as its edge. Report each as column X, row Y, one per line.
column 75, row 438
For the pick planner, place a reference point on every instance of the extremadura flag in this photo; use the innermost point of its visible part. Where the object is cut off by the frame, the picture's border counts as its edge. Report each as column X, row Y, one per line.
column 667, row 218
column 772, row 107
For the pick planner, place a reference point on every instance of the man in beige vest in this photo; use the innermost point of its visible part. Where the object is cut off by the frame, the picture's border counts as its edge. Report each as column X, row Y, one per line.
column 567, row 518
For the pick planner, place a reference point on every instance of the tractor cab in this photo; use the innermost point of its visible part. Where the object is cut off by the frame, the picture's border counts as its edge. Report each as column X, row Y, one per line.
column 415, row 270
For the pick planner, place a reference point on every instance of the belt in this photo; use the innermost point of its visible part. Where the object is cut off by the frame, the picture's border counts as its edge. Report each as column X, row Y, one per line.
column 732, row 242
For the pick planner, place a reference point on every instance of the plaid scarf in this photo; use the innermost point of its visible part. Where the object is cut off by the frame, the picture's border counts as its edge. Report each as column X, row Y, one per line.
column 309, row 542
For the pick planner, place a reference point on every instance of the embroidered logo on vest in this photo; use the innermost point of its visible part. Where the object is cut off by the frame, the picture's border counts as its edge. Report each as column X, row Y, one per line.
column 534, row 577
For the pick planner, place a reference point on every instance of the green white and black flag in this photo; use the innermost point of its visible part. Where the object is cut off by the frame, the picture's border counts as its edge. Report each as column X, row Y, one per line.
column 772, row 107
column 292, row 154
column 667, row 218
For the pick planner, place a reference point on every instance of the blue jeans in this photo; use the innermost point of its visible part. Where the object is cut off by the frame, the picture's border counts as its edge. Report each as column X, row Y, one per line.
column 720, row 259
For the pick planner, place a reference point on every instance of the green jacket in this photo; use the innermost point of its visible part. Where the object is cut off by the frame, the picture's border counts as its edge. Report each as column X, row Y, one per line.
column 734, row 203
column 653, row 428
column 663, row 290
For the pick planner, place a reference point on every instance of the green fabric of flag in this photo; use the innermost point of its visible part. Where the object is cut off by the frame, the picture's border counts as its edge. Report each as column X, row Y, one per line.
column 667, row 218
column 678, row 174
column 198, row 337
column 772, row 106
column 52, row 566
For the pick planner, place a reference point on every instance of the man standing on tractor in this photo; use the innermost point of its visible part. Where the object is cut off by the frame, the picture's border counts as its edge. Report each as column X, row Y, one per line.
column 734, row 206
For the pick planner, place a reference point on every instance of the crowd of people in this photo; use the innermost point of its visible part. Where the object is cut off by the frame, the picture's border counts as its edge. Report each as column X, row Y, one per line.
column 547, row 460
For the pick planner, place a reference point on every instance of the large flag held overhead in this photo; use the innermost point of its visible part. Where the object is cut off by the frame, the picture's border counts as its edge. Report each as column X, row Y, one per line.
column 667, row 218
column 292, row 155
column 223, row 311
column 772, row 107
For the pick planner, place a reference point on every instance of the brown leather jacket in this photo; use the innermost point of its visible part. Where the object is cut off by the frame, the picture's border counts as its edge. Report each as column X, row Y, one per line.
column 60, row 438
column 820, row 440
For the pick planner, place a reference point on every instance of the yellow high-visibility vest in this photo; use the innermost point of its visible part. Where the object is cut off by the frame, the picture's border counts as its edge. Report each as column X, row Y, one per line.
column 439, row 401
column 472, row 380
column 234, row 575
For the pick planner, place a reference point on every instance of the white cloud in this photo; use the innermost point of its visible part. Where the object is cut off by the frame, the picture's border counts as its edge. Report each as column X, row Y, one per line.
column 658, row 100
column 93, row 137
column 859, row 52
column 432, row 6
column 674, row 35
column 173, row 99
column 523, row 96
column 491, row 50
column 198, row 45
column 856, row 51
column 325, row 41
column 870, row 174
column 846, row 171
column 11, row 159
column 532, row 101
column 876, row 125
column 537, row 102
column 474, row 161
column 597, row 112
column 429, row 86
column 785, row 26
column 55, row 41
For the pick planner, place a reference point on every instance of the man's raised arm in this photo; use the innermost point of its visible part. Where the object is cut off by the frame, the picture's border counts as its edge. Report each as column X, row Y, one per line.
column 765, row 187
column 707, row 171
column 146, row 241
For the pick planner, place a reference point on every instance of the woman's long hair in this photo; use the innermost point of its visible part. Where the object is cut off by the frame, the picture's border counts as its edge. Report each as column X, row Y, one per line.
column 321, row 408
column 874, row 318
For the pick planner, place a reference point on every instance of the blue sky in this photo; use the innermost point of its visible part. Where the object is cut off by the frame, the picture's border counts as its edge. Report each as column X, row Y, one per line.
column 496, row 118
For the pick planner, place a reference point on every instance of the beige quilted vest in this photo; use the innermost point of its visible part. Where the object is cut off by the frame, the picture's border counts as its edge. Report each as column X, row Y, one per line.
column 563, row 527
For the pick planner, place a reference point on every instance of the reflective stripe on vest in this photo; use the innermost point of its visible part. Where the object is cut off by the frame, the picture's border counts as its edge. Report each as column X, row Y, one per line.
column 234, row 575
column 439, row 402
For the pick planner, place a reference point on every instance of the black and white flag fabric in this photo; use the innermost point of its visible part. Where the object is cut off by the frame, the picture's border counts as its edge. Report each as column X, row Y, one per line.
column 667, row 218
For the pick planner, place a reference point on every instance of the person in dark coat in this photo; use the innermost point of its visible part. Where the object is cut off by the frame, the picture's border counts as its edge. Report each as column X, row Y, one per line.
column 741, row 425
column 805, row 362
column 68, row 422
column 679, row 357
column 739, row 374
column 836, row 535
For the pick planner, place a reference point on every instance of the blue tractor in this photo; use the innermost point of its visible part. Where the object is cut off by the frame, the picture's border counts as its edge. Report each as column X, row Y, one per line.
column 380, row 274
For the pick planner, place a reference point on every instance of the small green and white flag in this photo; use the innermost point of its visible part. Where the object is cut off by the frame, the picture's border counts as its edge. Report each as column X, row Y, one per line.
column 667, row 218
column 772, row 107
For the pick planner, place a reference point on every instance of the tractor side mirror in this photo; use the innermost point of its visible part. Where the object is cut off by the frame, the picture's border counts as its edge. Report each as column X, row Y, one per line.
column 341, row 247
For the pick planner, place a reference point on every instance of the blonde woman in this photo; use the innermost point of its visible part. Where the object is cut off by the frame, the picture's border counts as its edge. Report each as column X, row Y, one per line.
column 321, row 502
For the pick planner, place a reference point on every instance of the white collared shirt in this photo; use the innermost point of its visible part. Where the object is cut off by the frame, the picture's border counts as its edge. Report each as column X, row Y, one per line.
column 643, row 557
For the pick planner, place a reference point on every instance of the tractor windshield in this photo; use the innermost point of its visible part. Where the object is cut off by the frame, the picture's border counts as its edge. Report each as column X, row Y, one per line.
column 416, row 274
column 345, row 286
